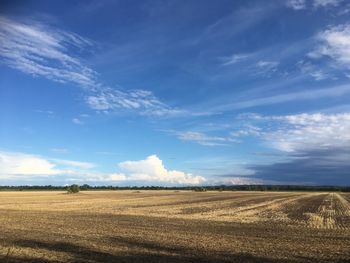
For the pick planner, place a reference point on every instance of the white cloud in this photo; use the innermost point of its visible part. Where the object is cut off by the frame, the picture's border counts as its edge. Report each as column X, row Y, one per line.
column 325, row 3
column 334, row 44
column 267, row 64
column 312, row 131
column 238, row 180
column 287, row 97
column 306, row 132
column 77, row 121
column 302, row 4
column 33, row 48
column 81, row 165
column 204, row 139
column 117, row 177
column 247, row 130
column 17, row 164
column 311, row 70
column 296, row 4
column 152, row 170
column 14, row 165
column 32, row 168
column 41, row 50
column 142, row 100
column 235, row 59
column 258, row 67
column 266, row 67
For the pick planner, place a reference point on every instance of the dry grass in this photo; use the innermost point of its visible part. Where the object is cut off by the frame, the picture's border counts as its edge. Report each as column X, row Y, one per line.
column 174, row 226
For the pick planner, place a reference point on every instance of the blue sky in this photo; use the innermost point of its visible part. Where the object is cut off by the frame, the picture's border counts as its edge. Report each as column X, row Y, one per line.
column 175, row 92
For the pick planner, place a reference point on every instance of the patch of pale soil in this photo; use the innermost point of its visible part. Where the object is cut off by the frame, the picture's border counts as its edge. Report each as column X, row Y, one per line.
column 265, row 211
column 344, row 204
column 325, row 217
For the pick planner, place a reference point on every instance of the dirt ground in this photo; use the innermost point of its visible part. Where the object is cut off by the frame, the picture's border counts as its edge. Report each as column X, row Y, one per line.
column 174, row 226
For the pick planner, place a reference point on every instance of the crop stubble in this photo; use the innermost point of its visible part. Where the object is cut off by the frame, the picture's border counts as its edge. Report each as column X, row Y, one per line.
column 174, row 226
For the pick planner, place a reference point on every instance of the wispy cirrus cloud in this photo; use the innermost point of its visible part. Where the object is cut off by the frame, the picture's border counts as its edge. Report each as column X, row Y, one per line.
column 267, row 64
column 70, row 163
column 300, row 132
column 304, row 4
column 204, row 139
column 140, row 100
column 296, row 4
column 325, row 3
column 45, row 51
column 310, row 131
column 336, row 91
column 254, row 63
column 39, row 50
column 307, row 148
column 313, row 71
column 235, row 58
column 266, row 67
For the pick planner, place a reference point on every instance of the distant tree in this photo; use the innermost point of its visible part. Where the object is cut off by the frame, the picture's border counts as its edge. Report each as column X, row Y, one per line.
column 200, row 189
column 85, row 187
column 73, row 189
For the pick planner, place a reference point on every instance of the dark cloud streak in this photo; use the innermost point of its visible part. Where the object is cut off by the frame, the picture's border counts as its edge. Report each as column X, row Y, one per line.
column 317, row 167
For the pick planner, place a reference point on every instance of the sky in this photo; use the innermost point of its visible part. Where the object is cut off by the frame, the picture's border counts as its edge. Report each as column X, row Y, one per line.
column 173, row 93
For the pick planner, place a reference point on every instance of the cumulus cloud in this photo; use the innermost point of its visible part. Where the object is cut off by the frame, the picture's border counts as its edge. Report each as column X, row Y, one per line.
column 42, row 50
column 29, row 166
column 152, row 170
column 19, row 164
column 31, row 169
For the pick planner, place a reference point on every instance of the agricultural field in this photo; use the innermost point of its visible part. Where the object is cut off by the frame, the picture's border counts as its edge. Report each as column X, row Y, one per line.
column 174, row 226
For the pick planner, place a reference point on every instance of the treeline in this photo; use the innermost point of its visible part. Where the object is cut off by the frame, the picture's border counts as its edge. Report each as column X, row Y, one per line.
column 191, row 188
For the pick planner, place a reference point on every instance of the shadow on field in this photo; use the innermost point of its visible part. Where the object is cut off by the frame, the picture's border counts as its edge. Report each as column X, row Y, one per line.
column 155, row 253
